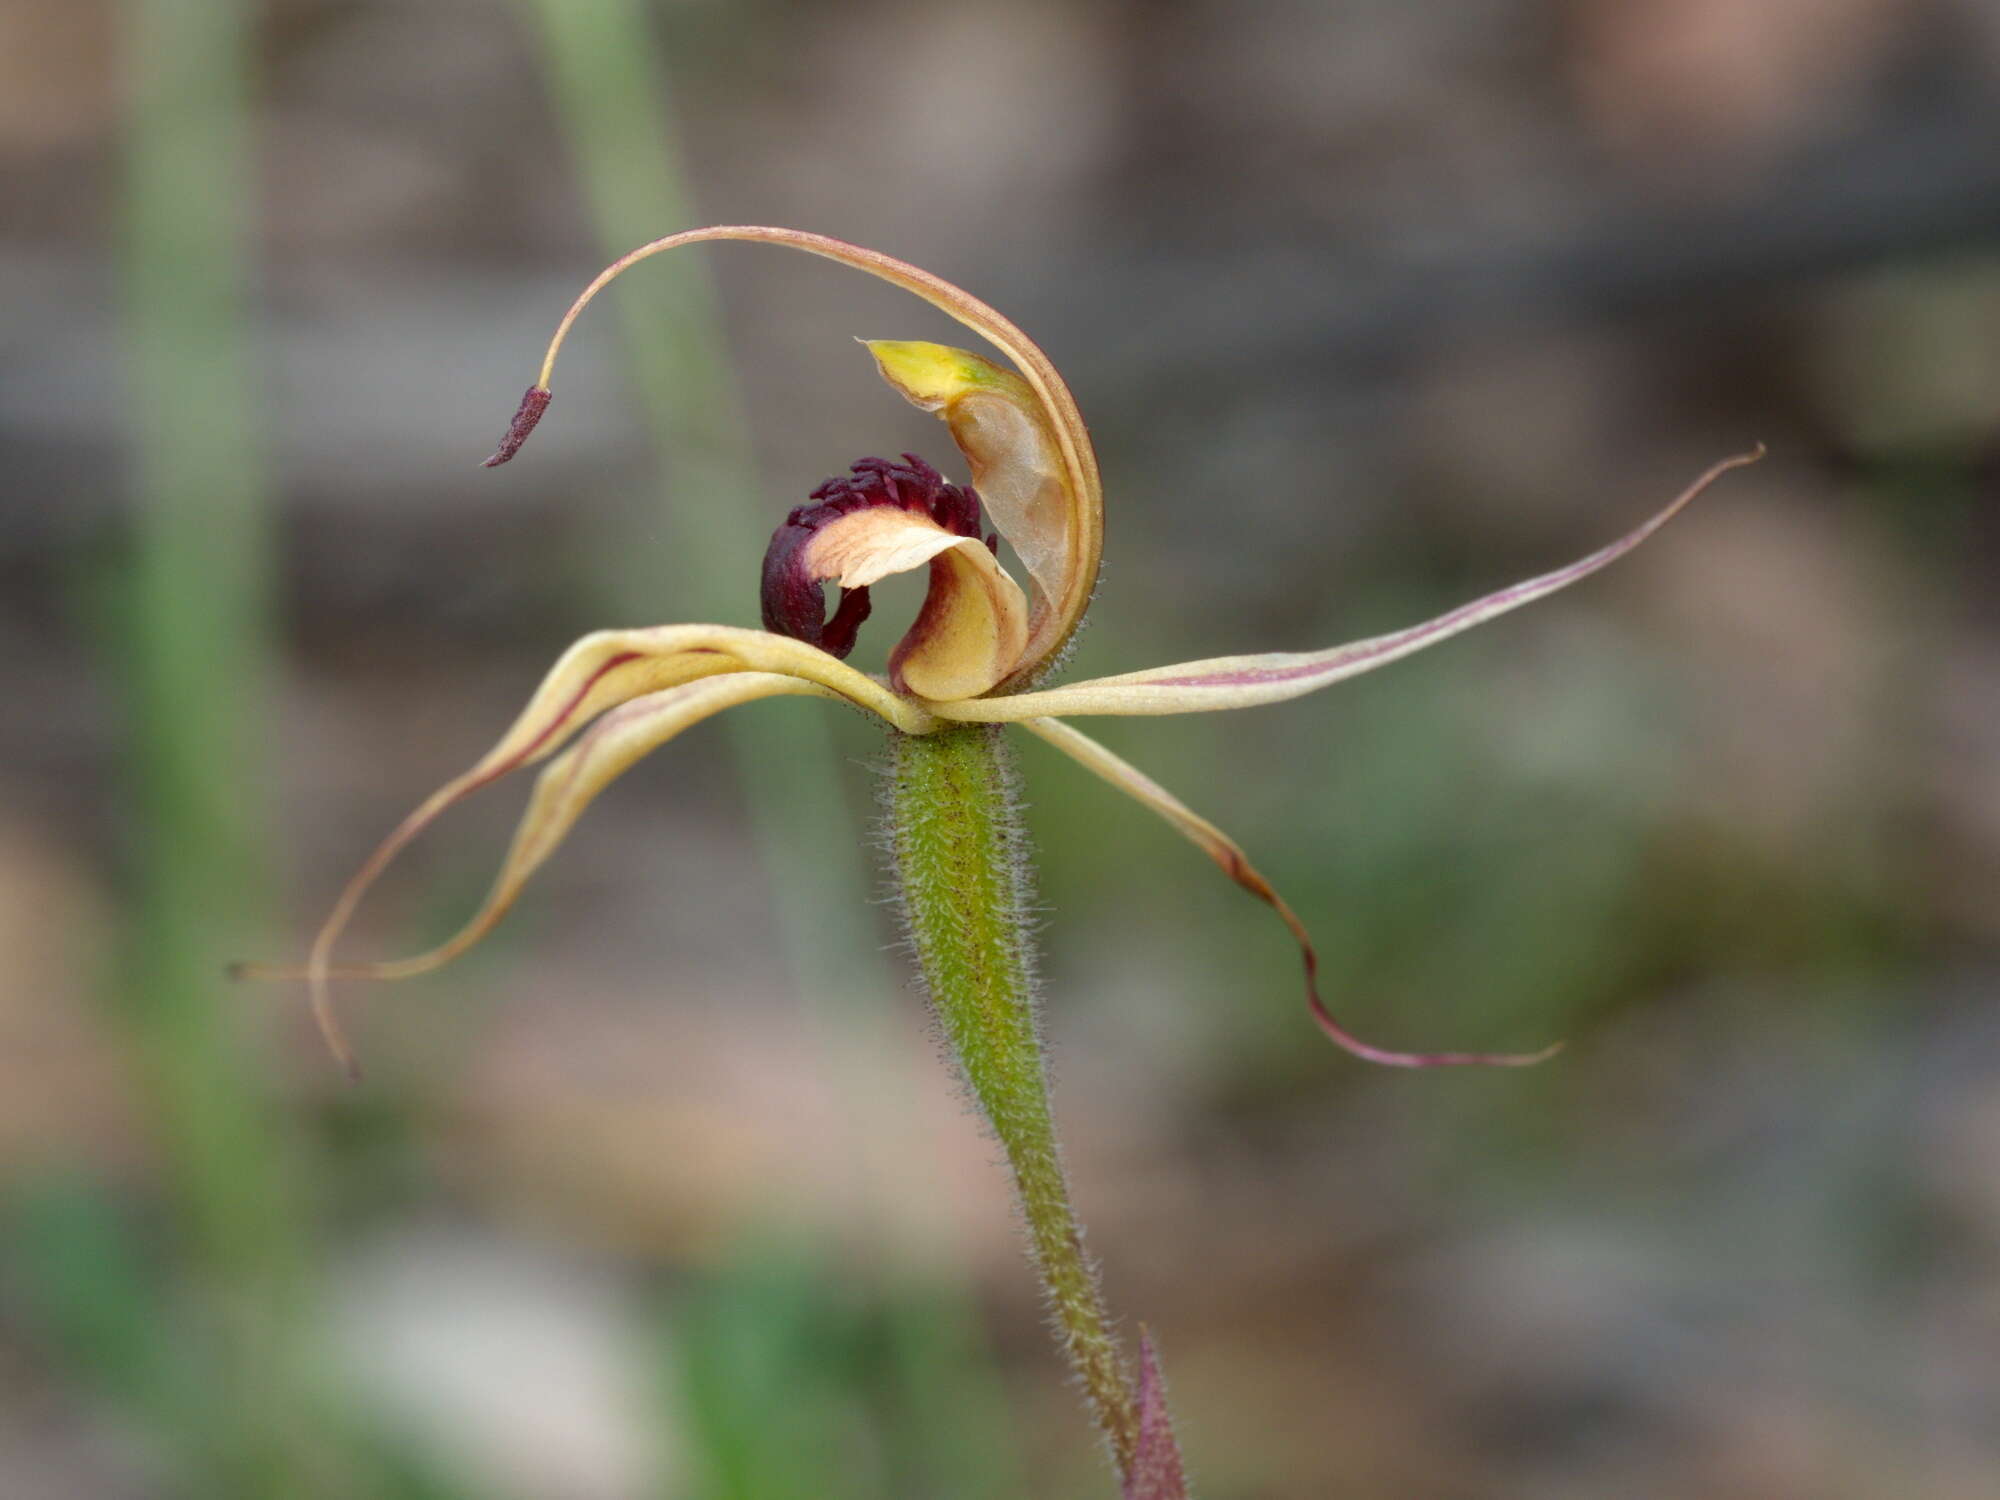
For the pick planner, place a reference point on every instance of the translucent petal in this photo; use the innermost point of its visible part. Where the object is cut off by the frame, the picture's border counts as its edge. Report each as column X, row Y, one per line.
column 869, row 545
column 1010, row 446
column 969, row 633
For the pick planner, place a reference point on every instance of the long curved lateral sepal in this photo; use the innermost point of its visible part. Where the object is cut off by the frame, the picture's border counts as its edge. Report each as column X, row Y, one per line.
column 1227, row 853
column 600, row 671
column 596, row 674
column 1248, row 681
column 565, row 788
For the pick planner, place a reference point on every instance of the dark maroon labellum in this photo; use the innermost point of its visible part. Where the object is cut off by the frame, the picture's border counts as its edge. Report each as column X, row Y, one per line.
column 795, row 601
column 526, row 415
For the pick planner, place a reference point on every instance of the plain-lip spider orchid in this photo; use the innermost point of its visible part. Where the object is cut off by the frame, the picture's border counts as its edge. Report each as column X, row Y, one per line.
column 977, row 653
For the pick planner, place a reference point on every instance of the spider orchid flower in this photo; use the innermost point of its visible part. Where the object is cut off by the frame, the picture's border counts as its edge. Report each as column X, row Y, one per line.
column 978, row 652
column 976, row 658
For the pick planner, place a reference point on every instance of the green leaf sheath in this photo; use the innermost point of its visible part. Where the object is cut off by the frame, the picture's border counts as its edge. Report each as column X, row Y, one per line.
column 961, row 864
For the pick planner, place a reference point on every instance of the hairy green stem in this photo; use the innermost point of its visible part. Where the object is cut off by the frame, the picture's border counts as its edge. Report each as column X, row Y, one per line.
column 962, row 870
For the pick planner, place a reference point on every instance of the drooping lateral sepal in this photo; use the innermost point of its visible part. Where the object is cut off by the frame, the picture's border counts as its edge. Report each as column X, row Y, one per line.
column 1229, row 855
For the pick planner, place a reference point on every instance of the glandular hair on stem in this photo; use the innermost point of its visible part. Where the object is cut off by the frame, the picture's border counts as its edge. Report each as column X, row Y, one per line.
column 960, row 867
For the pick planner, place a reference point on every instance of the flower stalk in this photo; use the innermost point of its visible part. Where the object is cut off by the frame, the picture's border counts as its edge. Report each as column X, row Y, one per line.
column 962, row 874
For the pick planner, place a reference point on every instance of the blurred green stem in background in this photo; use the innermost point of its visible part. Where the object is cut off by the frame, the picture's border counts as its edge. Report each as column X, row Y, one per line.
column 608, row 80
column 852, row 1363
column 195, row 642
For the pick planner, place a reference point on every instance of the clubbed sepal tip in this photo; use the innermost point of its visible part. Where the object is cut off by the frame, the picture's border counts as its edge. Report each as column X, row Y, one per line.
column 526, row 415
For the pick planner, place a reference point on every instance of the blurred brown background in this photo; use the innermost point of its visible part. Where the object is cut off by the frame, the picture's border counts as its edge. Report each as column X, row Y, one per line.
column 1373, row 307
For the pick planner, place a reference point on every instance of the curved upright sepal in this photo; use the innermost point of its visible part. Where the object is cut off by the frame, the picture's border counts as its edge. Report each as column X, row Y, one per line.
column 1064, row 421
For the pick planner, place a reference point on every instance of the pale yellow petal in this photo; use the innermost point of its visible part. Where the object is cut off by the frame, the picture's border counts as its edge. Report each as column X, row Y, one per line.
column 1228, row 854
column 1010, row 446
column 969, row 633
column 1247, row 681
column 865, row 547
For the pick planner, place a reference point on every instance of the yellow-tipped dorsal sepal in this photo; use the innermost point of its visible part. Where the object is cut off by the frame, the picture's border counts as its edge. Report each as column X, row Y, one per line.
column 1010, row 445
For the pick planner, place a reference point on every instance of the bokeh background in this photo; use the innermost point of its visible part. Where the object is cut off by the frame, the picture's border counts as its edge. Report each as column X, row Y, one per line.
column 1373, row 307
